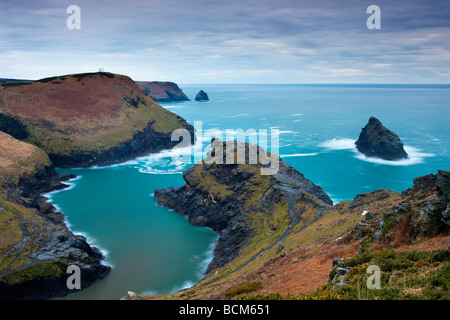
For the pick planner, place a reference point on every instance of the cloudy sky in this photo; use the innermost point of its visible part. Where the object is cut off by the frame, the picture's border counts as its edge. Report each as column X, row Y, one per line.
column 229, row 41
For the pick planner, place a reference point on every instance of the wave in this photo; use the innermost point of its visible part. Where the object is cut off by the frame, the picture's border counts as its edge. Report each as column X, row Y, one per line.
column 174, row 107
column 299, row 155
column 94, row 244
column 415, row 155
column 69, row 183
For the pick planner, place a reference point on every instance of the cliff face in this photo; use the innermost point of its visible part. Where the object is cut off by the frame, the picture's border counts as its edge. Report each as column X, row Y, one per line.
column 162, row 91
column 35, row 245
column 87, row 119
column 242, row 206
column 377, row 141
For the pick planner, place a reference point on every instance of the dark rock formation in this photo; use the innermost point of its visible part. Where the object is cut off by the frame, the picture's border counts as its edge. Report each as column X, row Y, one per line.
column 232, row 198
column 377, row 141
column 162, row 91
column 201, row 96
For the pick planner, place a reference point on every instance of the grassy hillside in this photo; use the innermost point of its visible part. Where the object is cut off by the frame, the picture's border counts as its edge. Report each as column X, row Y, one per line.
column 84, row 113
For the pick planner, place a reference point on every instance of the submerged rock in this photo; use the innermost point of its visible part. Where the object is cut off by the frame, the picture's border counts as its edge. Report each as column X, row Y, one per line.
column 376, row 140
column 201, row 96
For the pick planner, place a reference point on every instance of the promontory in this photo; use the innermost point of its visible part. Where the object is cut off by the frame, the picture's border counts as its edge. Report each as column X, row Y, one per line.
column 88, row 119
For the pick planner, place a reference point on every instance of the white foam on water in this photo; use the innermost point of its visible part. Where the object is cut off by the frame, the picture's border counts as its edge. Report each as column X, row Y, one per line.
column 173, row 107
column 339, row 144
column 415, row 155
column 299, row 155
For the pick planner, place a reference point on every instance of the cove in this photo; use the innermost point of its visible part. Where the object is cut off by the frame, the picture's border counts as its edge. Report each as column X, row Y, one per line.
column 151, row 249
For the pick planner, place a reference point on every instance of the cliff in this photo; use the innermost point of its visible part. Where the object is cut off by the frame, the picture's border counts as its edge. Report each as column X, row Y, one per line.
column 162, row 91
column 280, row 235
column 36, row 247
column 375, row 140
column 87, row 119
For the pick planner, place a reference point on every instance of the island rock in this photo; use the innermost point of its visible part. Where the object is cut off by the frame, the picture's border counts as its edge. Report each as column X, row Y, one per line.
column 201, row 96
column 377, row 141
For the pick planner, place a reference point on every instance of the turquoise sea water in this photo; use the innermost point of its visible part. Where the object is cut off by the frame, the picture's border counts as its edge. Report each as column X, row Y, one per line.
column 155, row 250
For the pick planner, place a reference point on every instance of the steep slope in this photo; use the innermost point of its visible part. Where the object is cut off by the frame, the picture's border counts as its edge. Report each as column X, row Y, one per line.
column 87, row 119
column 35, row 245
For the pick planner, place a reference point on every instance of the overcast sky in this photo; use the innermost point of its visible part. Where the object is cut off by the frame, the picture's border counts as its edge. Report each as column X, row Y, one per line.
column 229, row 41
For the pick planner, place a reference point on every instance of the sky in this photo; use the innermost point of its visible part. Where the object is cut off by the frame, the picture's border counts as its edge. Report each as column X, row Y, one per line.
column 229, row 41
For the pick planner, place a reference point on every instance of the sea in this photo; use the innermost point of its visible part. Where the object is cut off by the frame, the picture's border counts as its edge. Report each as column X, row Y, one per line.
column 154, row 250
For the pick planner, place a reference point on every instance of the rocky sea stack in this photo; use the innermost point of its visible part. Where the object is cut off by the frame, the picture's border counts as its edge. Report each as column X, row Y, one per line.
column 377, row 141
column 201, row 96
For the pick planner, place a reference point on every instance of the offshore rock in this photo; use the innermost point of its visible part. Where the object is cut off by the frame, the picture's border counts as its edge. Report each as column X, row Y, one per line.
column 201, row 96
column 377, row 141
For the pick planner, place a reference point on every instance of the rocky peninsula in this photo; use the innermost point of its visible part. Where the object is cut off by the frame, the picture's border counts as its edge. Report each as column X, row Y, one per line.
column 162, row 91
column 244, row 207
column 89, row 119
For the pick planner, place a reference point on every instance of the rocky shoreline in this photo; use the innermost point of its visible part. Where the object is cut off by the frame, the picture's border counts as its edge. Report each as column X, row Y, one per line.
column 48, row 247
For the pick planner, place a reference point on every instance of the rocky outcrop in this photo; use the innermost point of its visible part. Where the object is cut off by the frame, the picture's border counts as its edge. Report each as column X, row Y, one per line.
column 37, row 247
column 162, row 91
column 201, row 96
column 88, row 119
column 241, row 205
column 377, row 141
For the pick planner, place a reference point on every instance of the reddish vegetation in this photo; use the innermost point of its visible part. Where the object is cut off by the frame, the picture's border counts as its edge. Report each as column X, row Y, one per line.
column 306, row 269
column 70, row 98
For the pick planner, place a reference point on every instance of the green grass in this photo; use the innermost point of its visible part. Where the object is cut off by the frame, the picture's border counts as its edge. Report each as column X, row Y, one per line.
column 44, row 270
